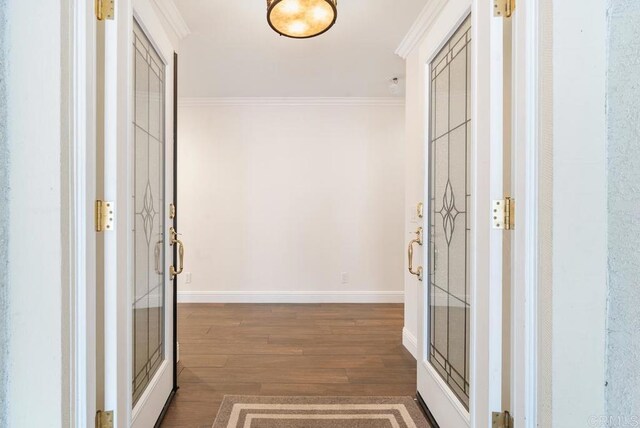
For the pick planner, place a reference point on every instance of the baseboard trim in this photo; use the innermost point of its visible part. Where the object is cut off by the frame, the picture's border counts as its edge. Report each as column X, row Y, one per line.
column 290, row 297
column 410, row 342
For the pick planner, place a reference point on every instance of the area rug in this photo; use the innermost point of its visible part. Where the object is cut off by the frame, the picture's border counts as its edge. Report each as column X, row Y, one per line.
column 238, row 411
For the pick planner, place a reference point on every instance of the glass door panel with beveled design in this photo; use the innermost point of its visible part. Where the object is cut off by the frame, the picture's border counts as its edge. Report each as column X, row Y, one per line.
column 449, row 226
column 149, row 286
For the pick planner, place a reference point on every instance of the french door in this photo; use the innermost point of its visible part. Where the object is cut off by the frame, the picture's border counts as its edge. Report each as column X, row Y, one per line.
column 463, row 326
column 138, row 179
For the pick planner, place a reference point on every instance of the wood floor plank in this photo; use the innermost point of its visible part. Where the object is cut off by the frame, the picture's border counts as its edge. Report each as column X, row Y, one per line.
column 286, row 349
column 269, row 330
column 318, row 389
column 219, row 347
column 348, row 349
column 381, row 376
column 206, row 360
column 253, row 374
column 368, row 330
column 208, row 392
column 329, row 340
column 307, row 361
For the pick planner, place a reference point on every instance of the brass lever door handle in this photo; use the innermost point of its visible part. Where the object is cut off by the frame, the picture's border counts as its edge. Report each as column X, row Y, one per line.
column 418, row 240
column 174, row 240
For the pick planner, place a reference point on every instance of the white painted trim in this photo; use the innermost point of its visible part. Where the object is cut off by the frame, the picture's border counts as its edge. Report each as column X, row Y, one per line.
column 290, row 297
column 442, row 398
column 410, row 342
column 419, row 28
column 526, row 248
column 148, row 409
column 172, row 14
column 82, row 251
column 293, row 101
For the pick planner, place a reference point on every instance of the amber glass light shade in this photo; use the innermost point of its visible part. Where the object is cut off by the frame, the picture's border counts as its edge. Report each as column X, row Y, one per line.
column 301, row 19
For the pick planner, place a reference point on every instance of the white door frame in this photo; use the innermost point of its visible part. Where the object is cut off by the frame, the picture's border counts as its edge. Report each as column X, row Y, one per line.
column 83, row 323
column 82, row 254
column 487, row 266
column 524, row 337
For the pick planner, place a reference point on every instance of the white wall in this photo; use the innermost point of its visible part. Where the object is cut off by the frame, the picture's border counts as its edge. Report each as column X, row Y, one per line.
column 37, row 389
column 4, row 217
column 579, row 211
column 277, row 200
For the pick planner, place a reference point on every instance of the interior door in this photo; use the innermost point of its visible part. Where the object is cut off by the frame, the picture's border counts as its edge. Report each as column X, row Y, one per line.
column 460, row 357
column 139, row 269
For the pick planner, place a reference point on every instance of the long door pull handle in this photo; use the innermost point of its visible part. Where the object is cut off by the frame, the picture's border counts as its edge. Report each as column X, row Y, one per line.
column 180, row 246
column 418, row 240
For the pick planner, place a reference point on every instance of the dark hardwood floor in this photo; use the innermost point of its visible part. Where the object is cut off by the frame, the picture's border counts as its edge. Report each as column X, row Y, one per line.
column 286, row 349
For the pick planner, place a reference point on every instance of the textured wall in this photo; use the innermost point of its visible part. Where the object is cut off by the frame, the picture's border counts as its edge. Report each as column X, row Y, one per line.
column 623, row 128
column 4, row 214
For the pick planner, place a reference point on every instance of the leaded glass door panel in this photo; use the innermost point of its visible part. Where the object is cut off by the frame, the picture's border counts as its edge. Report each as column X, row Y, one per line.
column 449, row 203
column 149, row 285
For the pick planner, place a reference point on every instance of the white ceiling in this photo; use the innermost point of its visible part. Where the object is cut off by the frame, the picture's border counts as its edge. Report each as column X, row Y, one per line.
column 232, row 51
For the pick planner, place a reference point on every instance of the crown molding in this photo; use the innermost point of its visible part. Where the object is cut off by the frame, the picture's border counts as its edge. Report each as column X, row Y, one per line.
column 421, row 25
column 292, row 101
column 173, row 16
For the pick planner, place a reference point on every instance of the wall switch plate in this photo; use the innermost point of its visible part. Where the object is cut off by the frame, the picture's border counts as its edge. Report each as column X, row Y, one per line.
column 187, row 278
column 345, row 277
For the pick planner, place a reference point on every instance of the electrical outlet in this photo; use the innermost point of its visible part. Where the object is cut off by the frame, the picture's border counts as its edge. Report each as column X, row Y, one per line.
column 187, row 278
column 345, row 277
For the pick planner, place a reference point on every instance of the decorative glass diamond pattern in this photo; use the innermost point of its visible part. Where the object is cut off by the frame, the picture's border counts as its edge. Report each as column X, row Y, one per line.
column 148, row 212
column 448, row 212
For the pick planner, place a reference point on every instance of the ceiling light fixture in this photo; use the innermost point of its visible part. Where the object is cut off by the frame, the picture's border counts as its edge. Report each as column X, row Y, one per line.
column 301, row 19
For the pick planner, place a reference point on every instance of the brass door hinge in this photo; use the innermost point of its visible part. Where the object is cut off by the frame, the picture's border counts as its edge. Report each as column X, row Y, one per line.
column 105, row 213
column 104, row 419
column 504, row 8
column 501, row 420
column 104, row 9
column 503, row 215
